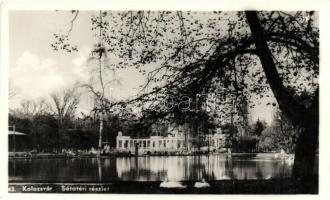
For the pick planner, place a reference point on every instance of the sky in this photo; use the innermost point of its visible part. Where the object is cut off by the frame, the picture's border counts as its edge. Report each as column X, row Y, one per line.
column 36, row 70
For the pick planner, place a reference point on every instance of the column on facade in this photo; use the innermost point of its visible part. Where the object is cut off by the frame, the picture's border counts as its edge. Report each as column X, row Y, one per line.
column 152, row 144
column 157, row 144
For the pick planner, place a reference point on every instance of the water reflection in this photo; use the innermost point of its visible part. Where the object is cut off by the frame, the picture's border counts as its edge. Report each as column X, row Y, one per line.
column 154, row 168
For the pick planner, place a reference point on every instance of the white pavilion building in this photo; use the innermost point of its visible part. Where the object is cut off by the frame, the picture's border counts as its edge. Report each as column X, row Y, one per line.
column 175, row 141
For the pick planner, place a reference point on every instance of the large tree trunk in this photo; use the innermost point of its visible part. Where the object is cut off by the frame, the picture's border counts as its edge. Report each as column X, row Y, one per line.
column 305, row 152
column 304, row 162
column 294, row 110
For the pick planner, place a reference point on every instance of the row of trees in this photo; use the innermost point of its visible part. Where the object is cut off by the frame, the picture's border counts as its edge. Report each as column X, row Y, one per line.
column 262, row 137
column 54, row 125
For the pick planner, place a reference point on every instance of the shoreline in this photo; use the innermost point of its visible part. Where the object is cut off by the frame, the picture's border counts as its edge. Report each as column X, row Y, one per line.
column 66, row 156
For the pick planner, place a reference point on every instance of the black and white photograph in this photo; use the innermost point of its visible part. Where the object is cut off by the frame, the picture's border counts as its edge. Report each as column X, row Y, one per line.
column 163, row 101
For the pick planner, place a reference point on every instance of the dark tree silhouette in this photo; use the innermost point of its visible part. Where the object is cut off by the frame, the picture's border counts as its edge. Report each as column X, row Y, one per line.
column 298, row 112
column 63, row 106
column 258, row 128
column 281, row 134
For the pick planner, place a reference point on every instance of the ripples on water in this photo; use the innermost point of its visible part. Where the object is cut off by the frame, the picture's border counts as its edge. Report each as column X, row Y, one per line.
column 153, row 168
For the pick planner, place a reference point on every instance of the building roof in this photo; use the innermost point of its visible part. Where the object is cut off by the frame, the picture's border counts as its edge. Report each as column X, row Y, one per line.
column 15, row 133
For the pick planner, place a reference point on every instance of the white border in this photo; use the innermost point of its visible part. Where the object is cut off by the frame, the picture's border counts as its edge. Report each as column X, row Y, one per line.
column 322, row 6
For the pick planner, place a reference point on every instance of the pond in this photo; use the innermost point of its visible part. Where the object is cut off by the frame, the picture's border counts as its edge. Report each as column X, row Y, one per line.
column 151, row 168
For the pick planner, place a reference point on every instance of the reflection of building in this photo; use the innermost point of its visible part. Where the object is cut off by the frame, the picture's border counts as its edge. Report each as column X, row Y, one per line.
column 176, row 141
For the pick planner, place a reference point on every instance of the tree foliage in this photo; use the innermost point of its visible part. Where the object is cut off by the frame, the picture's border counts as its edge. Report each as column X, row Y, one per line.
column 205, row 52
column 259, row 126
column 281, row 134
